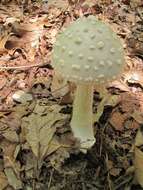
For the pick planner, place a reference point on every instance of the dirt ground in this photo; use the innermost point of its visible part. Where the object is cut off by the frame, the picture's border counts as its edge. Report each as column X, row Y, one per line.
column 37, row 148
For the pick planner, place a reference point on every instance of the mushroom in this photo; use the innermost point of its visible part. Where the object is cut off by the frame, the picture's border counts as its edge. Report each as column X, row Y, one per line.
column 89, row 54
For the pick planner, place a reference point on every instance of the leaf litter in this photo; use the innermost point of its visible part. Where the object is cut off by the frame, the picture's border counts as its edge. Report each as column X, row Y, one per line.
column 37, row 149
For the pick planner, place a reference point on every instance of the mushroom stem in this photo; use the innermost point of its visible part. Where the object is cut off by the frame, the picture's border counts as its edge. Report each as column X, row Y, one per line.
column 82, row 117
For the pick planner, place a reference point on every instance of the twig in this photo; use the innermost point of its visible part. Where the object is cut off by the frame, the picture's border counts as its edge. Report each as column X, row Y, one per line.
column 50, row 180
column 23, row 67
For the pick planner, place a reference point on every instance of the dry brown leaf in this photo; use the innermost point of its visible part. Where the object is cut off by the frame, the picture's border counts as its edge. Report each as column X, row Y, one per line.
column 59, row 86
column 11, row 136
column 3, row 181
column 58, row 158
column 119, row 85
column 114, row 171
column 13, row 180
column 30, row 37
column 110, row 100
column 39, row 134
column 39, row 129
column 117, row 120
column 36, row 34
column 53, row 146
column 134, row 77
column 4, row 35
column 128, row 103
column 41, row 85
column 136, row 3
column 89, row 3
column 8, row 154
column 2, row 82
column 138, row 164
column 12, row 167
column 100, row 110
column 133, row 124
column 139, row 138
column 60, row 4
column 138, row 116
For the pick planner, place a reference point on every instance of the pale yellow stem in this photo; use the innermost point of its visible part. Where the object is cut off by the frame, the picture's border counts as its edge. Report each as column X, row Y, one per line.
column 82, row 117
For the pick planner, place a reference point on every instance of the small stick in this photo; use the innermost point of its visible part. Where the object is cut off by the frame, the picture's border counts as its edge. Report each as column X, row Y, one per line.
column 22, row 67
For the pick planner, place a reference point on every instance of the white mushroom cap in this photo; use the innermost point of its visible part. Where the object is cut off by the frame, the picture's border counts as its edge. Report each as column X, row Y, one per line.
column 88, row 51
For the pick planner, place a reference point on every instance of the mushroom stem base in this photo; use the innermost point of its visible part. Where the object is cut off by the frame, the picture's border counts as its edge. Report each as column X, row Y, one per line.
column 82, row 117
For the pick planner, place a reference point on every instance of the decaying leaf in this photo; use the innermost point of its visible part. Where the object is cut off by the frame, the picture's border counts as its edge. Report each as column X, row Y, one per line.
column 138, row 157
column 89, row 3
column 22, row 97
column 12, row 179
column 35, row 39
column 40, row 130
column 117, row 120
column 41, row 85
column 4, row 35
column 3, row 181
column 39, row 134
column 114, row 171
column 59, row 86
column 139, row 138
column 12, row 167
column 100, row 110
column 14, row 24
column 53, row 146
column 30, row 164
column 11, row 136
column 110, row 100
column 58, row 158
column 60, row 4
column 138, row 164
column 138, row 116
column 9, row 156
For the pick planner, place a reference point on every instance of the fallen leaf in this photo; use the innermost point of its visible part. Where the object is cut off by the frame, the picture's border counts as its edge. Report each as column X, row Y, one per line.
column 30, row 164
column 8, row 156
column 138, row 116
column 100, row 110
column 11, row 136
column 46, row 135
column 117, row 120
column 139, row 138
column 119, row 85
column 110, row 100
column 59, row 86
column 2, row 82
column 53, row 146
column 132, row 125
column 58, row 158
column 3, row 181
column 89, row 3
column 39, row 128
column 128, row 103
column 134, row 77
column 4, row 35
column 60, row 4
column 22, row 97
column 138, row 164
column 12, row 179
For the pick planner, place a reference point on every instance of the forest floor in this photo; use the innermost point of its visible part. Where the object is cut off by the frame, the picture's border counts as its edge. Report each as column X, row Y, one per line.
column 37, row 149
